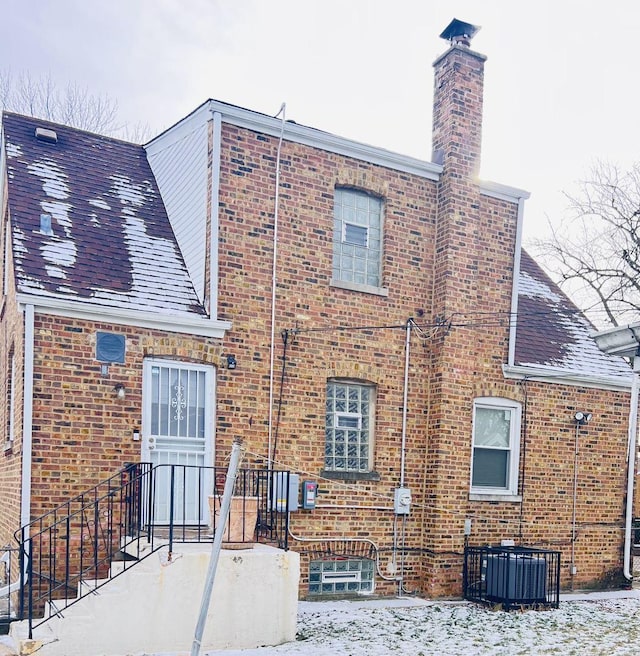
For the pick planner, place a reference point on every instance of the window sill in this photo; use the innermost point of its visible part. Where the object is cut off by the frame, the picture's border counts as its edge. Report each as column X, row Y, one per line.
column 350, row 476
column 509, row 498
column 358, row 287
column 8, row 446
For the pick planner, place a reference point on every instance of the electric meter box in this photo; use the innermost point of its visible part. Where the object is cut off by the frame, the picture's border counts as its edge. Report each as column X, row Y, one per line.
column 402, row 501
column 285, row 485
column 309, row 494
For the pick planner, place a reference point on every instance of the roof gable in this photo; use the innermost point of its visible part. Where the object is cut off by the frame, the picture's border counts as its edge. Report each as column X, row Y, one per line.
column 111, row 242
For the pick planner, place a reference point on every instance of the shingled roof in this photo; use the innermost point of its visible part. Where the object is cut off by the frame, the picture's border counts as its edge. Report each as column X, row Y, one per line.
column 111, row 243
column 552, row 333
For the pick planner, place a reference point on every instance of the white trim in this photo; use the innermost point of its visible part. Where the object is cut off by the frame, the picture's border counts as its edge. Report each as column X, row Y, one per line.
column 179, row 131
column 358, row 287
column 515, row 409
column 508, row 498
column 27, row 421
column 513, row 323
column 563, row 377
column 215, row 217
column 502, row 192
column 188, row 324
column 302, row 134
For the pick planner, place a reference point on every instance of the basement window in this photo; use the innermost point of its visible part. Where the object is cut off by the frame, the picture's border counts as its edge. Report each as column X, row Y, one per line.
column 341, row 576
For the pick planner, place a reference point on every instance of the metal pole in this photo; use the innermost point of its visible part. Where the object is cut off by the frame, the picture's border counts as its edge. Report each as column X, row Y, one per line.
column 232, row 471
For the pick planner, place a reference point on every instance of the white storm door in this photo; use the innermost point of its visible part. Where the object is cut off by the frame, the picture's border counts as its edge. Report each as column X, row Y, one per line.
column 178, row 429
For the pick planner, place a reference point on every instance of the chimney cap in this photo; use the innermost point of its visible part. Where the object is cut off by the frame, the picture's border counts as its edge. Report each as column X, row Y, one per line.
column 459, row 32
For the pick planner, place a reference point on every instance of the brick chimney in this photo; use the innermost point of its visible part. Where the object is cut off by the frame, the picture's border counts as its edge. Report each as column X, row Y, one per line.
column 457, row 132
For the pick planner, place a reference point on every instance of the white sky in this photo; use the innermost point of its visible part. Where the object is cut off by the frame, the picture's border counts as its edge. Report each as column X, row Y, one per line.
column 561, row 79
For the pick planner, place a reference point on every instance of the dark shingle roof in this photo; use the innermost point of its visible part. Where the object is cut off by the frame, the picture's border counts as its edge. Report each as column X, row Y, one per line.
column 112, row 243
column 552, row 333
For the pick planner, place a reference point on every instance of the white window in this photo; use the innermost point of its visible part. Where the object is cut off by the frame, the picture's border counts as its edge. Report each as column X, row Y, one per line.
column 357, row 238
column 496, row 446
column 349, row 426
column 337, row 576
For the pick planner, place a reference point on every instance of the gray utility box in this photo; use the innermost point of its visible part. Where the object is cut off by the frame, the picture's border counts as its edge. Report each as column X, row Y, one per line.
column 516, row 577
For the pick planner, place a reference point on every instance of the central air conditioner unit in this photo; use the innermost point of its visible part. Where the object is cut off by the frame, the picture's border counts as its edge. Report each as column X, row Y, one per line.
column 518, row 578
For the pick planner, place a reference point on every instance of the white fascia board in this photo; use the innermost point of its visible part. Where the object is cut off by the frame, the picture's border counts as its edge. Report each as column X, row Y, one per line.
column 561, row 377
column 189, row 325
column 307, row 136
column 179, row 131
column 502, row 192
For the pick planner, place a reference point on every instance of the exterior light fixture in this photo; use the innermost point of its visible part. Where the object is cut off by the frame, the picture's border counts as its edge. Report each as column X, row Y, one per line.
column 582, row 418
column 120, row 391
column 231, row 362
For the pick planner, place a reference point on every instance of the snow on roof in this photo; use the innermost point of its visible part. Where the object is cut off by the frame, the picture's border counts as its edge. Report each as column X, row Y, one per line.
column 552, row 333
column 111, row 242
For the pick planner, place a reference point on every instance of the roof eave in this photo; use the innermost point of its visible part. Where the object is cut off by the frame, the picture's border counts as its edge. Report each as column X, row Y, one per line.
column 175, row 323
column 565, row 377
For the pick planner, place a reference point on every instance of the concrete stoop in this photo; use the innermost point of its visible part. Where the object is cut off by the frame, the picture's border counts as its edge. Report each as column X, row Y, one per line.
column 154, row 606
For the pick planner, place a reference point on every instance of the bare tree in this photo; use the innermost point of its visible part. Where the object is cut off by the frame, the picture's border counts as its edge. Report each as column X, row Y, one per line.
column 72, row 105
column 595, row 253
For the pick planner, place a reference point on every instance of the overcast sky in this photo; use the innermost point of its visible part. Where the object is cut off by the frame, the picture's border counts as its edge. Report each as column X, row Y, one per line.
column 562, row 80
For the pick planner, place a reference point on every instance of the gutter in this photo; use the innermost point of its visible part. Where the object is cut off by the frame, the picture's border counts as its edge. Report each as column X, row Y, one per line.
column 27, row 423
column 161, row 320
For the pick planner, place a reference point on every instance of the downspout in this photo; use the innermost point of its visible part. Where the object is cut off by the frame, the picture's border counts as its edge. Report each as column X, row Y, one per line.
column 631, row 462
column 274, row 280
column 513, row 318
column 27, row 424
column 215, row 208
column 575, row 503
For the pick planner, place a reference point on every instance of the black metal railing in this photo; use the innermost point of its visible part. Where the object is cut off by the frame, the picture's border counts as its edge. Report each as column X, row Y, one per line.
column 513, row 577
column 68, row 553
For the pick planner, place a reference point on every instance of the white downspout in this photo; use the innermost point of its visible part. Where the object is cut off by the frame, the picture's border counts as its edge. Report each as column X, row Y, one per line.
column 215, row 205
column 631, row 464
column 516, row 284
column 274, row 280
column 27, row 424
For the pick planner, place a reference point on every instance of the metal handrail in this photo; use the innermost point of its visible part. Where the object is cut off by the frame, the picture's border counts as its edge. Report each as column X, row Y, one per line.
column 67, row 553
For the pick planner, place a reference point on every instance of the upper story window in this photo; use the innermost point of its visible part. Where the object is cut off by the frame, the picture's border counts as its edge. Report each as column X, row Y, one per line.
column 357, row 238
column 496, row 446
column 349, row 426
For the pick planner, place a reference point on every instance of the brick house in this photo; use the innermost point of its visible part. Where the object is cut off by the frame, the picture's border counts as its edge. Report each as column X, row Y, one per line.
column 366, row 320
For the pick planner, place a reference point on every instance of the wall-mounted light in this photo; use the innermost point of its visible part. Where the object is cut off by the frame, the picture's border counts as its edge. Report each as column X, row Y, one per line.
column 120, row 391
column 231, row 362
column 582, row 418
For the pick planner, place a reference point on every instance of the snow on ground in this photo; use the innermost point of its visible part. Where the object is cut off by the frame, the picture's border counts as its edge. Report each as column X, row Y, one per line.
column 602, row 624
column 606, row 624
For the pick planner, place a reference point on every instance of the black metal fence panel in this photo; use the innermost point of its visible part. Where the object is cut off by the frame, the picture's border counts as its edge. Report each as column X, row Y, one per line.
column 513, row 577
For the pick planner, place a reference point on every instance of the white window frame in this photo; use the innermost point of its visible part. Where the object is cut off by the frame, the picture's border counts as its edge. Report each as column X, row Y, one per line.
column 515, row 410
column 334, row 424
column 345, row 277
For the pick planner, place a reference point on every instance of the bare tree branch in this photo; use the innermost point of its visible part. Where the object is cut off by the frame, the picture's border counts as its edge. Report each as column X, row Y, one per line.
column 595, row 252
column 73, row 105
